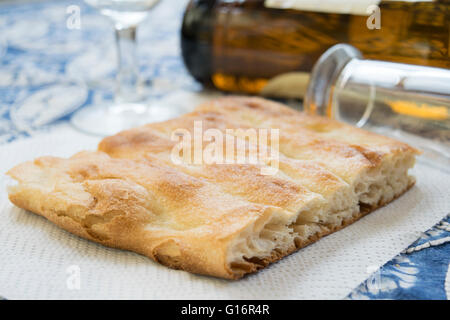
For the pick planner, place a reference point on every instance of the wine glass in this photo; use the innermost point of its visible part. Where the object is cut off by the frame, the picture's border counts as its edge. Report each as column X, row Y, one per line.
column 129, row 108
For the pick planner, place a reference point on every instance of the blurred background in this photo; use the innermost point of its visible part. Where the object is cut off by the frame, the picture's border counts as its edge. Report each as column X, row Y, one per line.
column 49, row 68
column 78, row 60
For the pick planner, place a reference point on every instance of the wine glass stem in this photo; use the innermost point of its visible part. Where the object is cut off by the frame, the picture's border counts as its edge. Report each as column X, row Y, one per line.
column 128, row 67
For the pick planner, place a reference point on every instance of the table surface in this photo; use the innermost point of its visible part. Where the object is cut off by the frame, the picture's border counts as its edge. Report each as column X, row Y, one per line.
column 40, row 54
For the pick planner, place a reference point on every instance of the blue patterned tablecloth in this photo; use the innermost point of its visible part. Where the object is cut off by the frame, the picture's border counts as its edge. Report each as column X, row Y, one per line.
column 41, row 53
column 422, row 271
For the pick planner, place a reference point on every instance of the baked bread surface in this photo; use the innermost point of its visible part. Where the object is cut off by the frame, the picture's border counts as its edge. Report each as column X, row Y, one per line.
column 224, row 220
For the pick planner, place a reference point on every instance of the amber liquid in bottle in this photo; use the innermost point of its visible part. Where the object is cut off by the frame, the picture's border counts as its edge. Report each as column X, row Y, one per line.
column 246, row 46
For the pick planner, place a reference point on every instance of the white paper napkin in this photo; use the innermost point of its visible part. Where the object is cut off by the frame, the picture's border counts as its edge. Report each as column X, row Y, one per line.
column 40, row 260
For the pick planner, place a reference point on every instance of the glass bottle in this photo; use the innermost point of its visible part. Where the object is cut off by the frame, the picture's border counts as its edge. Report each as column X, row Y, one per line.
column 268, row 47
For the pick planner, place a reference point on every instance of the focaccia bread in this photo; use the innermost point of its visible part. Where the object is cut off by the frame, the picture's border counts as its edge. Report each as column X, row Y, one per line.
column 224, row 220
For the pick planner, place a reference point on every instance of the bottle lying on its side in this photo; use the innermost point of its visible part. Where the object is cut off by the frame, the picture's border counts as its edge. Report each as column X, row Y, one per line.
column 268, row 47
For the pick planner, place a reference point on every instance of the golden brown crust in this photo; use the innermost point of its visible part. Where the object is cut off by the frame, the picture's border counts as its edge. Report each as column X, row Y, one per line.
column 131, row 195
column 137, row 206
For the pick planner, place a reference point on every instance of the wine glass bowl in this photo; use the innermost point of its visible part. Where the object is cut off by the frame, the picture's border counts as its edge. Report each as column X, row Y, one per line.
column 125, row 12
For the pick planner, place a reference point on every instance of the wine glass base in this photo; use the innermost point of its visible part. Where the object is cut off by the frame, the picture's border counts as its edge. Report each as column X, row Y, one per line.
column 104, row 120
